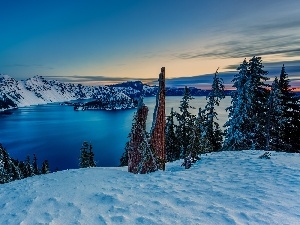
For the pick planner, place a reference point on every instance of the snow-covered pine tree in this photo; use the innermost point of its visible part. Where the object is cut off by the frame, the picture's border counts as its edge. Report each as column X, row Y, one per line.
column 84, row 159
column 35, row 167
column 28, row 169
column 16, row 170
column 92, row 162
column 141, row 158
column 8, row 170
column 248, row 112
column 195, row 148
column 202, row 145
column 45, row 167
column 291, row 112
column 172, row 142
column 236, row 132
column 213, row 134
column 186, row 121
column 257, row 97
column 148, row 163
column 21, row 166
column 124, row 157
column 275, row 119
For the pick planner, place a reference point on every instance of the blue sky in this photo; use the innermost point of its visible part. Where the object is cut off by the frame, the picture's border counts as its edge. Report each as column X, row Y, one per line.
column 99, row 42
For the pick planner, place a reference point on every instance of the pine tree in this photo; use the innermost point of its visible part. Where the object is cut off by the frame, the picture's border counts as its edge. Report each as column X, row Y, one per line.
column 86, row 158
column 141, row 158
column 8, row 170
column 92, row 162
column 172, row 142
column 21, row 166
column 200, row 126
column 148, row 160
column 248, row 112
column 28, row 169
column 124, row 157
column 186, row 121
column 36, row 170
column 275, row 119
column 16, row 170
column 257, row 96
column 213, row 132
column 45, row 167
column 291, row 113
column 195, row 148
column 236, row 134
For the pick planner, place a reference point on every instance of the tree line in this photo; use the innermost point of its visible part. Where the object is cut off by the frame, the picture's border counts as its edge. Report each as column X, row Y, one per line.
column 261, row 116
column 13, row 169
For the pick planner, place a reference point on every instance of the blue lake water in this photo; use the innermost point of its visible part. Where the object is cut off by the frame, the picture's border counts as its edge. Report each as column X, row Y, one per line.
column 56, row 132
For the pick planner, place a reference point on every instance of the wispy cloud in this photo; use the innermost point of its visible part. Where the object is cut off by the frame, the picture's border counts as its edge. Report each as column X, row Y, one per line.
column 240, row 50
column 269, row 38
column 200, row 81
column 98, row 80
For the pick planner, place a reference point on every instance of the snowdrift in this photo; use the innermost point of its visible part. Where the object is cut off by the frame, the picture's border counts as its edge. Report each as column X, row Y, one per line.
column 222, row 188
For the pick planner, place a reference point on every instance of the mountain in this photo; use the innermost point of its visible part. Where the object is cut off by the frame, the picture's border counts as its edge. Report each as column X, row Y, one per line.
column 221, row 188
column 38, row 90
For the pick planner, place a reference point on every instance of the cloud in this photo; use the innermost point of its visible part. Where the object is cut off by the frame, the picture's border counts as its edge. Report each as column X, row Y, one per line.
column 97, row 80
column 200, row 81
column 274, row 26
column 259, row 39
column 229, row 50
column 293, row 65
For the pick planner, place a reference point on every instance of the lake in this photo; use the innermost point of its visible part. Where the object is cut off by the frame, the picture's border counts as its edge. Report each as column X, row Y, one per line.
column 56, row 132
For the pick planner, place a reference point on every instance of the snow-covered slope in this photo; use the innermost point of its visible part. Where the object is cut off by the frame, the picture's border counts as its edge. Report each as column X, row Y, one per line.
column 222, row 188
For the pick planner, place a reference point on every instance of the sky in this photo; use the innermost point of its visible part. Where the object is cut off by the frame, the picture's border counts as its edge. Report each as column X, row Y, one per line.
column 102, row 42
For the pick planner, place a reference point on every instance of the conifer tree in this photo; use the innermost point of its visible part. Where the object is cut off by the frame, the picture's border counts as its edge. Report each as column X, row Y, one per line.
column 45, row 167
column 28, row 169
column 275, row 119
column 291, row 113
column 186, row 121
column 8, row 170
column 92, row 162
column 86, row 158
column 172, row 142
column 248, row 112
column 124, row 157
column 141, row 158
column 21, row 166
column 213, row 133
column 204, row 145
column 195, row 148
column 237, row 136
column 148, row 160
column 36, row 170
column 257, row 96
column 16, row 170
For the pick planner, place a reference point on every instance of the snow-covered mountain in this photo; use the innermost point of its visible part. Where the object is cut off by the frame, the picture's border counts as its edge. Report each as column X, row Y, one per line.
column 38, row 90
column 221, row 188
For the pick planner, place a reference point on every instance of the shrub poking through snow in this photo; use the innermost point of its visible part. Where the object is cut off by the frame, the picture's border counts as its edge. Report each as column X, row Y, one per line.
column 187, row 163
column 266, row 155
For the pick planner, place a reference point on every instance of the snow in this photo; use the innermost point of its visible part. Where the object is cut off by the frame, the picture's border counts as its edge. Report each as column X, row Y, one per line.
column 38, row 90
column 221, row 188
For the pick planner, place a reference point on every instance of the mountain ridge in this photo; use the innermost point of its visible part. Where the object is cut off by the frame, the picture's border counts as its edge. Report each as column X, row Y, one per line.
column 38, row 90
